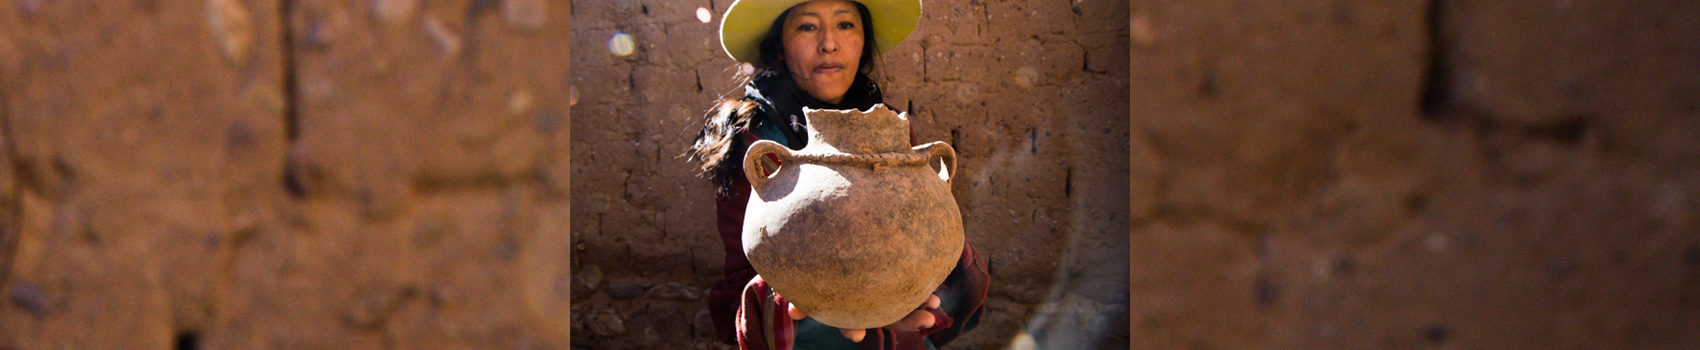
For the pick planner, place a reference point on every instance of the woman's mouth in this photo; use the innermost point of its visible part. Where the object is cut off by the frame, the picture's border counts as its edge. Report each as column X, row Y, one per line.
column 829, row 68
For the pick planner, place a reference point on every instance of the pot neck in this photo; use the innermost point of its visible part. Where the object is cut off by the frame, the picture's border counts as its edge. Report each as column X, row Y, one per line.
column 875, row 130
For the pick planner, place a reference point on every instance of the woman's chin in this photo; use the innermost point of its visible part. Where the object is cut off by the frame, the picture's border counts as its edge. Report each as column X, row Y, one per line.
column 828, row 99
column 835, row 96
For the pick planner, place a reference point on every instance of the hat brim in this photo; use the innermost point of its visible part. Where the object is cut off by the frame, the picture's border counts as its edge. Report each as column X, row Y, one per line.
column 747, row 21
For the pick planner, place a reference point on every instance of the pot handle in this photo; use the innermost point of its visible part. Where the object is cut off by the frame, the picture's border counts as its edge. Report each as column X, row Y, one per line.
column 945, row 153
column 763, row 160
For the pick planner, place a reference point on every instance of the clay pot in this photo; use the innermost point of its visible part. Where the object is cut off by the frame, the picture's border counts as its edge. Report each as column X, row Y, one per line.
column 857, row 228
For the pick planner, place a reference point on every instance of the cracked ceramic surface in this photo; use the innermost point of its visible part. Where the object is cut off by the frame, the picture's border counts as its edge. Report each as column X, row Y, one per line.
column 857, row 228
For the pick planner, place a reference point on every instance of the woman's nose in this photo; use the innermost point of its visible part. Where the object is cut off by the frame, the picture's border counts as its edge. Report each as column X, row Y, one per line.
column 829, row 42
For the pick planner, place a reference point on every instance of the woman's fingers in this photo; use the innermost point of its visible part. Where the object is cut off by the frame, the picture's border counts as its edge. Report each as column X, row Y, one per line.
column 923, row 319
column 915, row 321
column 796, row 314
column 855, row 335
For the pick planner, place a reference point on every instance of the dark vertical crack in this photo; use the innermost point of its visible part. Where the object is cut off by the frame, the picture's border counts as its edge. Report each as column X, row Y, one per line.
column 292, row 182
column 1437, row 83
column 286, row 47
column 1085, row 57
column 956, row 140
column 1068, row 183
column 924, row 61
column 1033, row 138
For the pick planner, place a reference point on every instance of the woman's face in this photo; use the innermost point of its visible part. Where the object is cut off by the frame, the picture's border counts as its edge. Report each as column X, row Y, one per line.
column 823, row 47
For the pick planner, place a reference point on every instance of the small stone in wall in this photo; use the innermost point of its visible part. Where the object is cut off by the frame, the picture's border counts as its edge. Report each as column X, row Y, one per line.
column 607, row 322
column 704, row 324
column 675, row 291
column 598, row 203
column 590, row 276
column 577, row 320
column 625, row 290
column 1026, row 76
column 657, row 327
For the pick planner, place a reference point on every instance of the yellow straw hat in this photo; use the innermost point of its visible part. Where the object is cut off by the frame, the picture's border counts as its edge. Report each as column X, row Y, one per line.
column 746, row 23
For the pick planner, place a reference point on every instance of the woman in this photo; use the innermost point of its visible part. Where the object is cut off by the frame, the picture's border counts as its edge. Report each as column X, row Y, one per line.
column 815, row 54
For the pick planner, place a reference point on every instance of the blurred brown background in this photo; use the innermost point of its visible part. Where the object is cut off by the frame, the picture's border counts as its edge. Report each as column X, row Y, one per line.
column 1031, row 94
column 296, row 174
column 1451, row 174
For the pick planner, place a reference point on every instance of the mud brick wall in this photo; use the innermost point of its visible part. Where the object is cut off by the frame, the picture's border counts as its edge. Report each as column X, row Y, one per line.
column 1452, row 174
column 266, row 174
column 1031, row 94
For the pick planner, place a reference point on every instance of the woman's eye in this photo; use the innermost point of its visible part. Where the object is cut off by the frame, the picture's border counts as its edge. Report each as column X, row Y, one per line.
column 846, row 25
column 806, row 27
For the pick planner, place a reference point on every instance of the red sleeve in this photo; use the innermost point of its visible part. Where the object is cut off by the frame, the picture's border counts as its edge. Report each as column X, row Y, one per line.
column 968, row 284
column 762, row 320
column 724, row 297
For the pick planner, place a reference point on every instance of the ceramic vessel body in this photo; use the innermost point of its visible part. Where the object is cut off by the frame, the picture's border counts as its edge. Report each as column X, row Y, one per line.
column 857, row 228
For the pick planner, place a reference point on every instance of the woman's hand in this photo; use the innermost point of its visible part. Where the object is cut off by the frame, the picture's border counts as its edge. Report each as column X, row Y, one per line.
column 915, row 321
